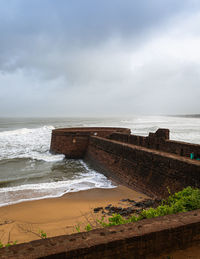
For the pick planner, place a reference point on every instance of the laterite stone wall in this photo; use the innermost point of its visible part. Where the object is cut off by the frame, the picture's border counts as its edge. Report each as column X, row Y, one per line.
column 159, row 141
column 145, row 239
column 150, row 164
column 146, row 169
column 73, row 142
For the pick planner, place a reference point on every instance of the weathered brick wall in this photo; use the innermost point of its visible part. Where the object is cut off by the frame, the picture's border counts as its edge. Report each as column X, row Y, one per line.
column 72, row 145
column 73, row 142
column 149, row 170
column 141, row 240
column 180, row 148
column 159, row 141
column 137, row 161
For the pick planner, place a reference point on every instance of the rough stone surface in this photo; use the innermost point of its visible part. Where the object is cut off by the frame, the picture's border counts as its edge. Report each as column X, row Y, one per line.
column 140, row 240
column 149, row 170
column 150, row 164
column 73, row 142
column 159, row 141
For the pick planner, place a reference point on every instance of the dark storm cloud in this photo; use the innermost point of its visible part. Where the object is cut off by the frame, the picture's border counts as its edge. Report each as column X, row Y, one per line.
column 39, row 27
column 113, row 56
column 85, row 20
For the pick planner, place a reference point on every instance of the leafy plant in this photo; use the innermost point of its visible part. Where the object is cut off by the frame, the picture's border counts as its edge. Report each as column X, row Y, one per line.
column 88, row 227
column 186, row 200
column 8, row 244
column 1, row 245
column 77, row 227
column 42, row 234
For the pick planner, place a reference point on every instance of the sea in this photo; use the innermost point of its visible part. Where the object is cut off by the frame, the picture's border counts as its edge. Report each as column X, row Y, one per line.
column 28, row 171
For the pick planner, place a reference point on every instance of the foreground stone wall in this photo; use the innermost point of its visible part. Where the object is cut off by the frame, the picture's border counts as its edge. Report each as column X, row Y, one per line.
column 141, row 240
column 140, row 163
column 146, row 169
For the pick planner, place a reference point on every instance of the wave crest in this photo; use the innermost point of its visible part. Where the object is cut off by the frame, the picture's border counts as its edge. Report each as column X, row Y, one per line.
column 28, row 143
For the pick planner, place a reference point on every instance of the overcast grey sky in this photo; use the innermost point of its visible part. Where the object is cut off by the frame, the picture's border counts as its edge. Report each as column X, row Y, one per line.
column 97, row 58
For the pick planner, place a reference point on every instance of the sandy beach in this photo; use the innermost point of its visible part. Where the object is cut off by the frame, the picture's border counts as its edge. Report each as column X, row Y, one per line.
column 59, row 216
column 22, row 222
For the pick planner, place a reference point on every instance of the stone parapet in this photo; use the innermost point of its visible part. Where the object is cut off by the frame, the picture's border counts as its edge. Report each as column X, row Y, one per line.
column 145, row 239
column 73, row 142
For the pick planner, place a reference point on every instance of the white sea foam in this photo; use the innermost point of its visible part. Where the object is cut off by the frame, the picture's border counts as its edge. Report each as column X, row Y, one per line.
column 181, row 128
column 88, row 180
column 27, row 143
column 34, row 144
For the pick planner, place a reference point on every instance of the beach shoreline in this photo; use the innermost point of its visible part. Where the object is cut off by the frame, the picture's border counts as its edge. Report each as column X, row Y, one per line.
column 23, row 222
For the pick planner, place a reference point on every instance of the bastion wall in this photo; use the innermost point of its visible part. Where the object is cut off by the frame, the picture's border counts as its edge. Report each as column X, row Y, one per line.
column 150, row 164
column 73, row 142
column 148, row 170
column 159, row 141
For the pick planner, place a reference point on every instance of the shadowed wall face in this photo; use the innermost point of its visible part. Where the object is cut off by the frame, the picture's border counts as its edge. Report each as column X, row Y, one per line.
column 133, row 160
column 146, row 169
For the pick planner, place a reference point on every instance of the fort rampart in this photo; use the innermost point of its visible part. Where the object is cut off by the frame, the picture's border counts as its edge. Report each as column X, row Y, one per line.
column 73, row 142
column 150, row 164
column 148, row 170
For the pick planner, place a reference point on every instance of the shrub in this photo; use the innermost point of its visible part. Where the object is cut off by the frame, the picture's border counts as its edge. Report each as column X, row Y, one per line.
column 185, row 200
column 8, row 244
column 42, row 234
column 88, row 227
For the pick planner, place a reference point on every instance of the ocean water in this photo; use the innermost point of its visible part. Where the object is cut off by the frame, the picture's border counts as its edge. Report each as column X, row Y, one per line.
column 29, row 172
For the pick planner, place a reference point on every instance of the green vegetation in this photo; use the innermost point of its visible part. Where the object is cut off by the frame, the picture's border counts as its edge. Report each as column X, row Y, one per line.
column 42, row 234
column 8, row 244
column 88, row 227
column 186, row 200
column 78, row 228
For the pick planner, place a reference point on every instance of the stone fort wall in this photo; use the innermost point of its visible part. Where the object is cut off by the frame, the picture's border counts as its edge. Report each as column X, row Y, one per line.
column 148, row 170
column 145, row 239
column 73, row 142
column 159, row 141
column 150, row 164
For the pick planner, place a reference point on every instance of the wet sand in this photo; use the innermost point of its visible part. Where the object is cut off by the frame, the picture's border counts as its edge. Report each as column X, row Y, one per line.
column 58, row 216
column 64, row 215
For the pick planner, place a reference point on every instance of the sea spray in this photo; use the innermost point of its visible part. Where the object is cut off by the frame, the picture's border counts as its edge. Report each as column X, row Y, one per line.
column 27, row 143
column 84, row 180
column 29, row 172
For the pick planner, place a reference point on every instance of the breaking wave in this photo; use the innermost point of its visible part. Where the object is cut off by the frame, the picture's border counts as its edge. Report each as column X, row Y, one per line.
column 28, row 143
column 88, row 180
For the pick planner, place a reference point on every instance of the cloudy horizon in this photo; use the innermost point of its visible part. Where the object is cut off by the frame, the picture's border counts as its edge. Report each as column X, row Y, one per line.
column 99, row 58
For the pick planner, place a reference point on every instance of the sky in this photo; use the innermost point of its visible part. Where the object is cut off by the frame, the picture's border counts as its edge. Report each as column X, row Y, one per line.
column 99, row 58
